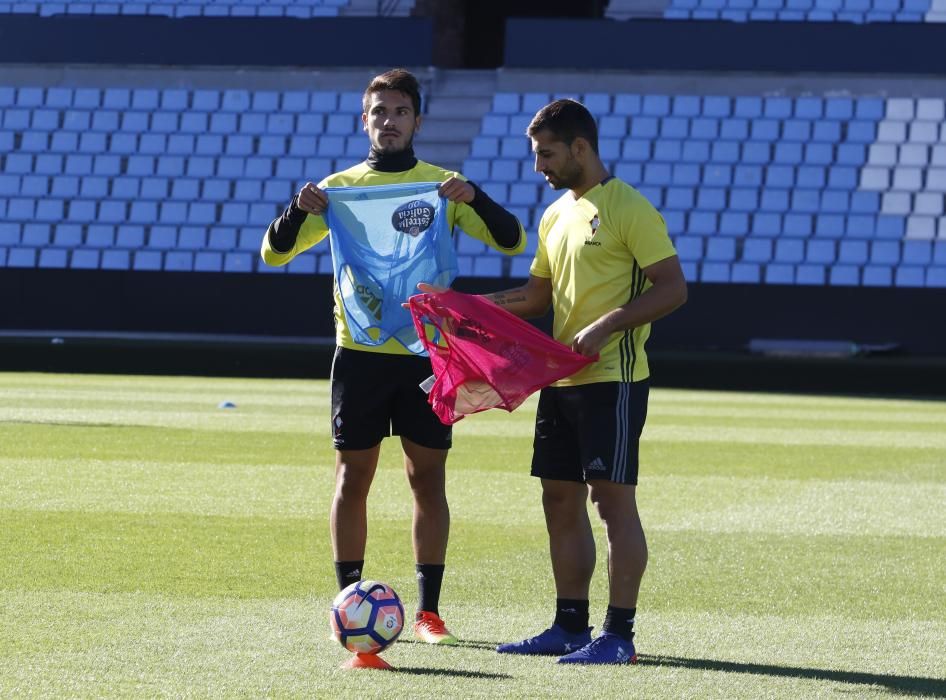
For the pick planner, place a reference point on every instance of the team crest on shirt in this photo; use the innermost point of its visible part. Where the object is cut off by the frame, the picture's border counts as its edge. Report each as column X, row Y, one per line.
column 593, row 226
column 413, row 218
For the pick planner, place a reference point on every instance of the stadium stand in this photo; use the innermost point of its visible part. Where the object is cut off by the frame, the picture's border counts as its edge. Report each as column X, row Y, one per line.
column 756, row 189
column 856, row 11
column 805, row 190
column 302, row 9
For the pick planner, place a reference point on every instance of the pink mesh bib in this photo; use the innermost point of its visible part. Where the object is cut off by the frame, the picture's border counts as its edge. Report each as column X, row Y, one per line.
column 483, row 356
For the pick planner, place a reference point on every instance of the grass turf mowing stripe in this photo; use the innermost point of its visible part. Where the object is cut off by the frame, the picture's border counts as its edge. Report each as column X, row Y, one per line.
column 194, row 560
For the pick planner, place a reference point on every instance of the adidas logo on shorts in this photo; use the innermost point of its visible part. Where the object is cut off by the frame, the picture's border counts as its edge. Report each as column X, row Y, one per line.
column 596, row 465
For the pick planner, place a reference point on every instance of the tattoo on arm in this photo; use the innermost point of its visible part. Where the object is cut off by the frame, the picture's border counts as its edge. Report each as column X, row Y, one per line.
column 506, row 299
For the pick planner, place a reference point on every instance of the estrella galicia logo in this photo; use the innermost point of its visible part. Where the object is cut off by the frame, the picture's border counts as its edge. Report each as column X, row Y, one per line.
column 413, row 218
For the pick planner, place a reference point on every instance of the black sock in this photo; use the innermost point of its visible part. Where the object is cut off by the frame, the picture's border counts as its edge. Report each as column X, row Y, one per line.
column 620, row 621
column 429, row 578
column 348, row 572
column 571, row 615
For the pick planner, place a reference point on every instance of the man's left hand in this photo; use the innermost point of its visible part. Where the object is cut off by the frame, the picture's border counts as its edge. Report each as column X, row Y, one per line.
column 591, row 339
column 457, row 190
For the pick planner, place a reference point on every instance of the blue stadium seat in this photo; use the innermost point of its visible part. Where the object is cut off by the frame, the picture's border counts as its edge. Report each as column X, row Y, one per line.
column 910, row 276
column 179, row 261
column 36, row 235
column 747, row 107
column 679, row 198
column 301, row 264
column 757, row 250
column 484, row 147
column 162, row 237
column 487, row 266
column 631, row 173
column 84, row 259
column 717, row 106
column 34, row 186
column 721, row 250
column 192, row 238
column 519, row 267
column 154, row 188
column 853, row 252
column 746, row 273
column 686, row 105
column 628, row 105
column 185, row 189
column 764, row 130
column 788, row 153
column 657, row 174
column 844, row 275
column 147, row 260
column 671, row 151
column 505, row 103
column 689, row 248
column 789, row 250
column 711, row 199
column 779, row 273
column 810, row 274
column 715, row 272
column 917, row 253
column 674, row 127
column 67, row 235
column 685, row 175
column 921, row 228
column 821, row 252
column 238, row 262
column 797, row 225
column 733, row 224
column 706, row 129
column 116, row 260
column 885, row 253
column 877, row 276
column 702, row 223
column 692, row 151
column 842, row 178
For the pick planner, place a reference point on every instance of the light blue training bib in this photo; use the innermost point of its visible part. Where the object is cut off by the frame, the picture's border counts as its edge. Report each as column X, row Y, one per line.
column 386, row 239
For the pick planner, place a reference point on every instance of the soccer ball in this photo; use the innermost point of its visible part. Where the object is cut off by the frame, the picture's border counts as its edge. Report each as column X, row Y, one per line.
column 367, row 617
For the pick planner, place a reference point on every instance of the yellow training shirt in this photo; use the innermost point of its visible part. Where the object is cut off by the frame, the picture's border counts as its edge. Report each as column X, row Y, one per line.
column 314, row 229
column 593, row 249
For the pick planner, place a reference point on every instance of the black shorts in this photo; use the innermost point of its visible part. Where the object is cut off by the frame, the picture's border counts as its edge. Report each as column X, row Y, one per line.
column 375, row 395
column 590, row 431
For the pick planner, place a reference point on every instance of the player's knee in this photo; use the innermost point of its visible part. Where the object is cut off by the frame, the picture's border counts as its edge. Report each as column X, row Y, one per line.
column 352, row 484
column 562, row 505
column 427, row 484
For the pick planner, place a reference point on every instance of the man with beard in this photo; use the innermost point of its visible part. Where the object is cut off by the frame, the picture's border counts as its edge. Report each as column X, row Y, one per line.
column 375, row 388
column 606, row 266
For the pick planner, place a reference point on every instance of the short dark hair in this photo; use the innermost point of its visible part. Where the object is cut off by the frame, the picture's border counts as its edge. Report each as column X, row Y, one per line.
column 567, row 120
column 396, row 79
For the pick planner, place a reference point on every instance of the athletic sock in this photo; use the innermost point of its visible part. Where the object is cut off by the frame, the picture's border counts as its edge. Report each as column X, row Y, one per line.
column 429, row 579
column 348, row 572
column 571, row 615
column 620, row 621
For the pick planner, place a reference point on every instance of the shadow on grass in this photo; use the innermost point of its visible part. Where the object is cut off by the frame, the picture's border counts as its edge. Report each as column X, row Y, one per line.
column 68, row 424
column 910, row 685
column 413, row 670
column 463, row 643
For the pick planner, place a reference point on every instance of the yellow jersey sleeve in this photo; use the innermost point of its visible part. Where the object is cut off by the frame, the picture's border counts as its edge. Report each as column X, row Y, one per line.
column 645, row 231
column 462, row 215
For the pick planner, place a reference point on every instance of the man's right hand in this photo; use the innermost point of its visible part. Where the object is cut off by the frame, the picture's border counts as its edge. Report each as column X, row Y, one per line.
column 312, row 200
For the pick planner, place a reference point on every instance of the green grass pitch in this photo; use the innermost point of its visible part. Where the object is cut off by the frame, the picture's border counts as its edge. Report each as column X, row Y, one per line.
column 155, row 545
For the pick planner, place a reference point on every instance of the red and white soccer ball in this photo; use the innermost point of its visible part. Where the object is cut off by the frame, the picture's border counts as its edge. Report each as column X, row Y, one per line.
column 367, row 617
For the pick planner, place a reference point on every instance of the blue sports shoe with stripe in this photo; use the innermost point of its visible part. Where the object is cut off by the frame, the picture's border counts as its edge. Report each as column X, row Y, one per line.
column 552, row 642
column 607, row 648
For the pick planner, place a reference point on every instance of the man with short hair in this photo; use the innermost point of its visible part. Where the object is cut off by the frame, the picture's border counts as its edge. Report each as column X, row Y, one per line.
column 607, row 267
column 375, row 388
